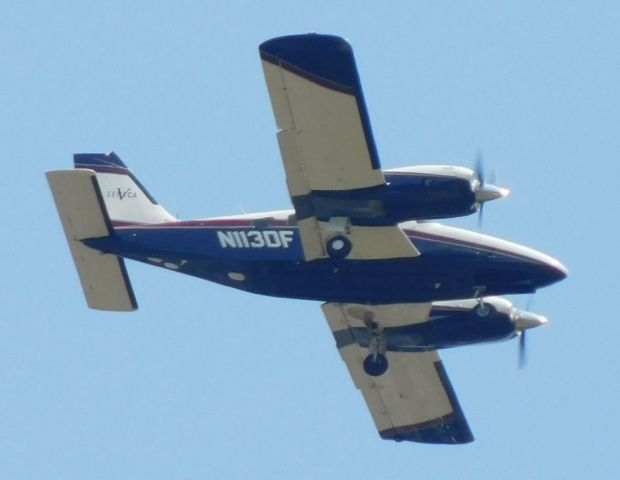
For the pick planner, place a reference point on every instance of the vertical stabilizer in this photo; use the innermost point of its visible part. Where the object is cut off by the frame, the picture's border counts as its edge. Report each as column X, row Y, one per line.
column 125, row 198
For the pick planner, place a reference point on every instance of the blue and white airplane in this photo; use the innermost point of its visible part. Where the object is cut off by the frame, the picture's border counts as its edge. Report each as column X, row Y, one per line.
column 396, row 288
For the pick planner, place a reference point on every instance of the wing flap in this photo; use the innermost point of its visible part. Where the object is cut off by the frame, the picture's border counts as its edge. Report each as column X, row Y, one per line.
column 329, row 132
column 296, row 180
column 370, row 243
column 414, row 399
column 278, row 95
column 312, row 242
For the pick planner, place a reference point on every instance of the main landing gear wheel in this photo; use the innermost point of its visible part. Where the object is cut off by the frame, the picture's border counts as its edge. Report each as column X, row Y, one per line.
column 376, row 364
column 339, row 246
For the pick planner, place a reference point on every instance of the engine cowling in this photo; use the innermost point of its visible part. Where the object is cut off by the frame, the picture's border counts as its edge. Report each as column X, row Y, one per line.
column 425, row 192
column 456, row 323
column 429, row 192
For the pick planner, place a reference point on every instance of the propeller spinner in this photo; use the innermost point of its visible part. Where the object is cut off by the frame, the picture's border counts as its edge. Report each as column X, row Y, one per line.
column 523, row 321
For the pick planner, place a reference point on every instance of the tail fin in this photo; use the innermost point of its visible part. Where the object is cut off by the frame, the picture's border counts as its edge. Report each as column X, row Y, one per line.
column 82, row 212
column 126, row 200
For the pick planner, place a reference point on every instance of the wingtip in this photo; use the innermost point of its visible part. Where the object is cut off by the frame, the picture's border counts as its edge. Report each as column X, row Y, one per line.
column 447, row 433
column 325, row 59
column 304, row 41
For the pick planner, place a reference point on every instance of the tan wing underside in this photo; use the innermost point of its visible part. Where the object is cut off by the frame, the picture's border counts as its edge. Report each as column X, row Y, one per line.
column 414, row 395
column 323, row 147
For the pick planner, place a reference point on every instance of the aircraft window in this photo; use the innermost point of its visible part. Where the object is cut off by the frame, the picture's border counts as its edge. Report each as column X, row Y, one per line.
column 292, row 219
column 262, row 222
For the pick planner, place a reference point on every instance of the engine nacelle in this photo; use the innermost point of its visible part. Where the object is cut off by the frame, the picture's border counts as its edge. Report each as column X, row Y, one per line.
column 428, row 192
column 456, row 323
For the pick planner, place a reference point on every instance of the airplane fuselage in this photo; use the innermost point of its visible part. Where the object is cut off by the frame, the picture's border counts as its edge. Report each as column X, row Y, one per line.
column 262, row 254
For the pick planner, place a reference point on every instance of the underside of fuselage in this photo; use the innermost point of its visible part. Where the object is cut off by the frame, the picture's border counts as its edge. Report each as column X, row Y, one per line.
column 266, row 258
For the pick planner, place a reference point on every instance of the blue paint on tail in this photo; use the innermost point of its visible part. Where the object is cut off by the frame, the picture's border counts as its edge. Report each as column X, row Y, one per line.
column 86, row 160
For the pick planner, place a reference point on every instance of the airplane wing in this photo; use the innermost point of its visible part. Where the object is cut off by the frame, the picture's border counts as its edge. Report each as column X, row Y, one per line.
column 414, row 399
column 326, row 143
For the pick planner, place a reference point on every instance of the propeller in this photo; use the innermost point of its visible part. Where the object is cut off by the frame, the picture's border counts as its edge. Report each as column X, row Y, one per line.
column 523, row 321
column 483, row 190
column 479, row 168
column 522, row 351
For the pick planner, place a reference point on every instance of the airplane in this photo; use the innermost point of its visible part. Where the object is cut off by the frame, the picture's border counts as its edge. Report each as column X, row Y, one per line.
column 396, row 286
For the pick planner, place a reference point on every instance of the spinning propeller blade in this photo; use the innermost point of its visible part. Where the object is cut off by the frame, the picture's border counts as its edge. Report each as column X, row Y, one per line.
column 479, row 168
column 485, row 191
column 523, row 321
column 522, row 351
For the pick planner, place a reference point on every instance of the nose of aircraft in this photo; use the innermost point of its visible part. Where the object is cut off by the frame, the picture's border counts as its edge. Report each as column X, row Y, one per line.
column 554, row 271
column 544, row 270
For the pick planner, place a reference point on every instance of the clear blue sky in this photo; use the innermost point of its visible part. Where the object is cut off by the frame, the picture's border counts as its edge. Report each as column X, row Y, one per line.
column 206, row 382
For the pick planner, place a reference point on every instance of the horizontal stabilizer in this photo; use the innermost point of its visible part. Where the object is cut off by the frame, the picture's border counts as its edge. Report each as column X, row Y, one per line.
column 82, row 212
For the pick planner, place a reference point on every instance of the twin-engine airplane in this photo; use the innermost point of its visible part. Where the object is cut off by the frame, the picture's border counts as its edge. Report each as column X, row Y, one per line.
column 396, row 289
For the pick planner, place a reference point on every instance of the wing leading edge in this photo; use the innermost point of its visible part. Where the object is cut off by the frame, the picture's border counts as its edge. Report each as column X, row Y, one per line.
column 414, row 400
column 325, row 140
